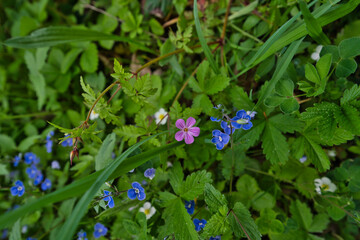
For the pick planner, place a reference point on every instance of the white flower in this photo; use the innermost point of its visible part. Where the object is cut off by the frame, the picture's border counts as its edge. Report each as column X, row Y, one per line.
column 148, row 210
column 316, row 55
column 324, row 184
column 161, row 116
column 93, row 115
column 303, row 159
column 332, row 153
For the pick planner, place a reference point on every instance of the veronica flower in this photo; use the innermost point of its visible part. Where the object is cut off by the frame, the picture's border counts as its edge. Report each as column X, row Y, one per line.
column 46, row 184
column 227, row 128
column 242, row 120
column 82, row 235
column 220, row 139
column 49, row 142
column 55, row 165
column 303, row 159
column 17, row 160
column 190, row 206
column 108, row 198
column 251, row 114
column 93, row 115
column 18, row 189
column 199, row 224
column 215, row 119
column 31, row 158
column 161, row 116
column 187, row 130
column 215, row 238
column 150, row 173
column 148, row 210
column 68, row 142
column 136, row 192
column 38, row 178
column 99, row 230
column 32, row 171
column 324, row 184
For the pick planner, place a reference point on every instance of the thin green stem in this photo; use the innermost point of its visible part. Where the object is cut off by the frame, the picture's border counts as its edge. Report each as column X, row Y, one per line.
column 246, row 33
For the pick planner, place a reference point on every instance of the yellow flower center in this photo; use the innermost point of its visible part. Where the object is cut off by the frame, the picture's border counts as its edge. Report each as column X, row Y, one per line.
column 186, row 130
column 325, row 187
column 147, row 211
column 161, row 116
column 19, row 188
column 242, row 121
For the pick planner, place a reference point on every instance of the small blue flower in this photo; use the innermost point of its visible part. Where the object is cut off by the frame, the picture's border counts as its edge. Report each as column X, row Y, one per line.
column 38, row 178
column 113, row 155
column 251, row 114
column 55, row 165
column 190, row 206
column 31, row 158
column 17, row 160
column 150, row 173
column 242, row 120
column 199, row 224
column 46, row 184
column 220, row 139
column 136, row 192
column 18, row 189
column 100, row 230
column 48, row 145
column 68, row 142
column 215, row 119
column 303, row 159
column 82, row 235
column 227, row 128
column 32, row 171
column 215, row 238
column 108, row 198
column 4, row 234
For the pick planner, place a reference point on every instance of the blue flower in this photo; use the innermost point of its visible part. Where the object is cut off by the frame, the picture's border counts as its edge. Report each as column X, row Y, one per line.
column 251, row 114
column 190, row 206
column 199, row 224
column 215, row 238
column 38, row 178
column 136, row 192
column 303, row 159
column 46, row 184
column 220, row 139
column 242, row 120
column 82, row 235
column 227, row 128
column 150, row 173
column 31, row 158
column 55, row 165
column 108, row 198
column 30, row 238
column 68, row 142
column 17, row 160
column 49, row 142
column 18, row 189
column 215, row 119
column 32, row 171
column 100, row 230
column 4, row 234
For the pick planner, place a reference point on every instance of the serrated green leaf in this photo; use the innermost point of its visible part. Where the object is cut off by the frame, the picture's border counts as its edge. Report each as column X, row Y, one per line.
column 194, row 185
column 240, row 98
column 242, row 224
column 213, row 198
column 176, row 176
column 286, row 123
column 217, row 225
column 317, row 155
column 202, row 101
column 319, row 223
column 301, row 213
column 350, row 94
column 349, row 118
column 248, row 138
column 267, row 222
column 262, row 200
column 274, row 145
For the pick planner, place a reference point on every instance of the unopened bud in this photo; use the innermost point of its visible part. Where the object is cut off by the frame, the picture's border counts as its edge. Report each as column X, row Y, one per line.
column 73, row 153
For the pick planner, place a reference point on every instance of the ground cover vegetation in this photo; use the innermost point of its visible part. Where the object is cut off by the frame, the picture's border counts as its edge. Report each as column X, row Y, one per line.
column 180, row 119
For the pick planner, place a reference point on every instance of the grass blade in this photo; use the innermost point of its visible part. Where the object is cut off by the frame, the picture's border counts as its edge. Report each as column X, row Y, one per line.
column 51, row 36
column 78, row 187
column 202, row 40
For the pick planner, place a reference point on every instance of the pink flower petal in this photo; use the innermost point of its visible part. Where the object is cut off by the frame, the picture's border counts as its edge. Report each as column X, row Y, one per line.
column 194, row 131
column 180, row 123
column 179, row 136
column 188, row 138
column 190, row 122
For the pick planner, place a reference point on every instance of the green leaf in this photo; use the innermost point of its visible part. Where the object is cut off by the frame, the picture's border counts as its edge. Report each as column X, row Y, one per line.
column 51, row 36
column 289, row 105
column 311, row 74
column 217, row 225
column 274, row 100
column 319, row 223
column 301, row 213
column 89, row 59
column 350, row 94
column 247, row 187
column 312, row 25
column 323, row 65
column 242, row 224
column 286, row 123
column 178, row 221
column 317, row 155
column 103, row 158
column 350, row 47
column 156, row 27
column 194, row 185
column 15, row 233
column 248, row 138
column 285, row 87
column 176, row 176
column 262, row 200
column 345, row 67
column 213, row 198
column 274, row 145
column 268, row 223
column 7, row 144
column 131, row 227
column 180, row 5
column 202, row 101
column 202, row 40
column 349, row 118
column 240, row 98
column 69, row 59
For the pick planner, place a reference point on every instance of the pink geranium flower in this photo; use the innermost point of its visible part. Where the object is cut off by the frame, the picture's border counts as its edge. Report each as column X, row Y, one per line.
column 187, row 130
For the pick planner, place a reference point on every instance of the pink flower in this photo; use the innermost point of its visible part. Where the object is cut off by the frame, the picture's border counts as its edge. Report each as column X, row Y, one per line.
column 187, row 130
